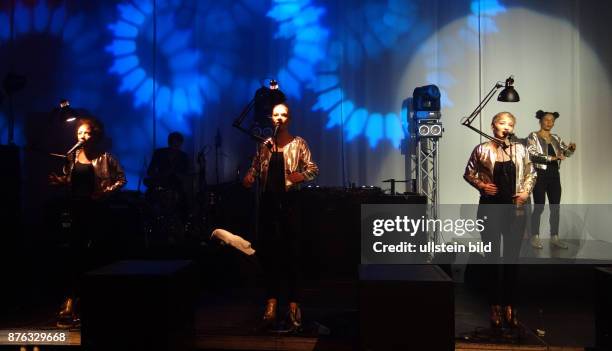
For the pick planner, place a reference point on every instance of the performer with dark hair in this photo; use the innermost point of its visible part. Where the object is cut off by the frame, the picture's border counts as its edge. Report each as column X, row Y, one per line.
column 91, row 172
column 282, row 164
column 504, row 176
column 91, row 175
column 547, row 150
column 168, row 163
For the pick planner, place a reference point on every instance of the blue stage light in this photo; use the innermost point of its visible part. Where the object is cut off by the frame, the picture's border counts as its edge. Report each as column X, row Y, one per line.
column 384, row 25
column 77, row 53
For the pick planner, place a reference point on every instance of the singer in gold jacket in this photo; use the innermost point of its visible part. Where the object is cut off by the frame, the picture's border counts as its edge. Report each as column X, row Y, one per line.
column 479, row 170
column 505, row 177
column 281, row 165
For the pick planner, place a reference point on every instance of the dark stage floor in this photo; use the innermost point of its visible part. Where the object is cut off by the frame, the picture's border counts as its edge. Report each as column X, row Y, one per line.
column 226, row 319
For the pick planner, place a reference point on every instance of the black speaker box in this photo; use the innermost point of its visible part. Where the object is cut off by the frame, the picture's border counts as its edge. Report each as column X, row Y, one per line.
column 406, row 307
column 139, row 305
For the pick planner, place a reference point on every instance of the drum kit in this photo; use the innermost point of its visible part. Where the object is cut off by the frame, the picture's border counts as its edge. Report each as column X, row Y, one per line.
column 181, row 213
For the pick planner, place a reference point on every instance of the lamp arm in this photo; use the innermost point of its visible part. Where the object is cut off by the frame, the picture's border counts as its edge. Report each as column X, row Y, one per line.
column 482, row 104
column 468, row 121
column 238, row 122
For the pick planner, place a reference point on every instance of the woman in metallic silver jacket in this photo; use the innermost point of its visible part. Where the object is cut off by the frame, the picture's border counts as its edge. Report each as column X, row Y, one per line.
column 282, row 164
column 547, row 150
column 503, row 174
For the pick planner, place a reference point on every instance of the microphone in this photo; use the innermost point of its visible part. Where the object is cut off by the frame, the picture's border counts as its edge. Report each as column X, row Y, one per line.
column 76, row 146
column 276, row 128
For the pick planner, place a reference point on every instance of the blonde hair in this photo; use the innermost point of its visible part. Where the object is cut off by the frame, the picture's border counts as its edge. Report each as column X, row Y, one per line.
column 502, row 114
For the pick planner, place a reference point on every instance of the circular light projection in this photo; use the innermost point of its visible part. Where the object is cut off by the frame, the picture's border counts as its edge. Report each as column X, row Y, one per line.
column 455, row 45
column 198, row 52
column 299, row 22
column 160, row 66
column 73, row 71
column 384, row 25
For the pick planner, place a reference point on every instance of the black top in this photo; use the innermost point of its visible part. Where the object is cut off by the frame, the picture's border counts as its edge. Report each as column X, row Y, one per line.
column 504, row 177
column 83, row 180
column 552, row 167
column 275, row 182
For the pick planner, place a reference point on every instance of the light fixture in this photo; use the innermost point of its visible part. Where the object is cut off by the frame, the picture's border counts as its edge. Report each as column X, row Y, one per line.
column 65, row 112
column 426, row 112
column 508, row 94
column 429, row 129
column 426, row 98
column 262, row 103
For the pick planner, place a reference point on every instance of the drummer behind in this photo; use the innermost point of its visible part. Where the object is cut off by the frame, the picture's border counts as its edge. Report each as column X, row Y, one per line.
column 168, row 165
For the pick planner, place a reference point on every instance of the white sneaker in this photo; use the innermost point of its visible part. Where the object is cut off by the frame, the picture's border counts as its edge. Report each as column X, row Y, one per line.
column 555, row 241
column 536, row 243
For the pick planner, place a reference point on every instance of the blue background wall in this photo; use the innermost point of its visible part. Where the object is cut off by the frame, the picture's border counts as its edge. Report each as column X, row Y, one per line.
column 148, row 67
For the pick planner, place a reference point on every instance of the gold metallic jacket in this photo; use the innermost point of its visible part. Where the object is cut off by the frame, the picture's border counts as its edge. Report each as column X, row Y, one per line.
column 109, row 174
column 297, row 159
column 480, row 166
column 538, row 149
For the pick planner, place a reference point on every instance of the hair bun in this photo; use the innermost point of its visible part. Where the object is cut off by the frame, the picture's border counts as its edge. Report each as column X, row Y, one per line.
column 539, row 114
column 556, row 115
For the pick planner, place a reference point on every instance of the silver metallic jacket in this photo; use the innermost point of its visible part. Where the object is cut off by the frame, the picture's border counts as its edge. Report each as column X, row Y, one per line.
column 297, row 159
column 109, row 173
column 538, row 149
column 480, row 166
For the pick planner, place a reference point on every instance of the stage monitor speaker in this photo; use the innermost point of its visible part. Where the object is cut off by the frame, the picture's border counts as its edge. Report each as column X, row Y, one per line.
column 603, row 308
column 406, row 307
column 139, row 305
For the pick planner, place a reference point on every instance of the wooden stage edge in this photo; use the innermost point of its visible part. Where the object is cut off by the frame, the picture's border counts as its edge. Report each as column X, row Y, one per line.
column 465, row 346
column 297, row 343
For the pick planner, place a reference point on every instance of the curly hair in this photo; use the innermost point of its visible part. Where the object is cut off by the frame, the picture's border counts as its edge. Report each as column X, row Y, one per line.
column 97, row 128
column 540, row 114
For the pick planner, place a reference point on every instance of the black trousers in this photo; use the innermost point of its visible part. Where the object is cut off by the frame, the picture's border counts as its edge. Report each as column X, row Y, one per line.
column 547, row 184
column 507, row 222
column 278, row 245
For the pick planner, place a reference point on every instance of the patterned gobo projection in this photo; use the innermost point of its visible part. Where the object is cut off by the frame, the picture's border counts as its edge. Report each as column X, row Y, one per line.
column 197, row 51
column 69, row 67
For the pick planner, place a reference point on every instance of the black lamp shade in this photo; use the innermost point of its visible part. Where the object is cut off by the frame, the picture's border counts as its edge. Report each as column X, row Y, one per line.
column 508, row 94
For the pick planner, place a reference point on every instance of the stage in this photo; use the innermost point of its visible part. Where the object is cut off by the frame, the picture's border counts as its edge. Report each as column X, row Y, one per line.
column 226, row 318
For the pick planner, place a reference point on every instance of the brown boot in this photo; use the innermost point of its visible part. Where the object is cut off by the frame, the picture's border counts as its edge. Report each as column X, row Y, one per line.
column 269, row 317
column 495, row 317
column 511, row 317
column 294, row 317
column 64, row 316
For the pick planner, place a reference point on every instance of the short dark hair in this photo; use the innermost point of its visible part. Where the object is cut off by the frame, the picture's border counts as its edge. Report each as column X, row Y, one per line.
column 175, row 137
column 540, row 114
